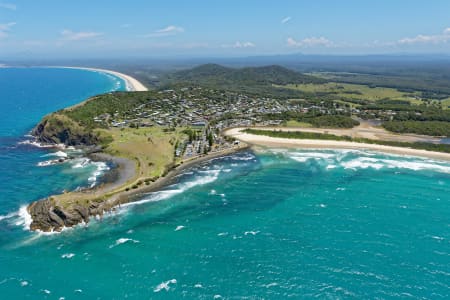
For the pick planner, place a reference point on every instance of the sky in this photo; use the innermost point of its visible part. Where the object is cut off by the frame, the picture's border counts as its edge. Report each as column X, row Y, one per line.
column 221, row 28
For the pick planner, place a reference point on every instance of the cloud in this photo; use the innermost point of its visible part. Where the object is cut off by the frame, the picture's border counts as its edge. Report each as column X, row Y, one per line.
column 285, row 20
column 444, row 37
column 243, row 45
column 169, row 30
column 9, row 6
column 69, row 35
column 239, row 45
column 310, row 42
column 5, row 28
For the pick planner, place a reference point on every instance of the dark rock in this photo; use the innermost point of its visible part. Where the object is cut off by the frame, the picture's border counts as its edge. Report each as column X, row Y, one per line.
column 46, row 217
column 60, row 129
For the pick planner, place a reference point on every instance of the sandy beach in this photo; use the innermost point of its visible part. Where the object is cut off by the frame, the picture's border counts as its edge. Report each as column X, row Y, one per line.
column 132, row 84
column 260, row 140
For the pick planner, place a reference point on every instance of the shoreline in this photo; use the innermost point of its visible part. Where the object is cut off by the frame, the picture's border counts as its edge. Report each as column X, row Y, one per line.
column 132, row 84
column 163, row 181
column 113, row 194
column 261, row 140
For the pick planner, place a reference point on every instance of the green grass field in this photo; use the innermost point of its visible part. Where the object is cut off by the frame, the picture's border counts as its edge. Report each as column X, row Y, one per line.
column 296, row 124
column 151, row 147
column 355, row 91
column 446, row 103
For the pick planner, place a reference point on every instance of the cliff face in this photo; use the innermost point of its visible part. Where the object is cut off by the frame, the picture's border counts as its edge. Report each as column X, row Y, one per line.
column 49, row 217
column 57, row 128
column 60, row 129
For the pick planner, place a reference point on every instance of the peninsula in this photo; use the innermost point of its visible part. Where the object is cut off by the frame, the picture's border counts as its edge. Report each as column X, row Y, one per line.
column 193, row 115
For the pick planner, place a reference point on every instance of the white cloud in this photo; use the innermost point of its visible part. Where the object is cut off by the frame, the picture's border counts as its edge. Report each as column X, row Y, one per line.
column 169, row 30
column 310, row 42
column 239, row 45
column 5, row 28
column 427, row 39
column 243, row 45
column 69, row 35
column 9, row 6
column 285, row 20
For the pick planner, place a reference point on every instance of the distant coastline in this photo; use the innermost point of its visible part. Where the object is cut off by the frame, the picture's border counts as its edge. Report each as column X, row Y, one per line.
column 132, row 84
column 261, row 140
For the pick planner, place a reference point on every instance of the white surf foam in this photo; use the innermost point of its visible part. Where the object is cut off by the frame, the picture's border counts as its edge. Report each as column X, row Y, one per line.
column 332, row 159
column 8, row 216
column 68, row 255
column 24, row 218
column 36, row 144
column 362, row 163
column 415, row 165
column 58, row 154
column 179, row 228
column 251, row 232
column 164, row 285
column 80, row 163
column 211, row 176
column 123, row 241
column 243, row 158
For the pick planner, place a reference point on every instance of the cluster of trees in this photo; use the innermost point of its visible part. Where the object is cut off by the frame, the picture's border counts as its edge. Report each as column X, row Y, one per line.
column 333, row 121
column 121, row 102
column 250, row 80
column 192, row 134
column 424, row 114
column 436, row 128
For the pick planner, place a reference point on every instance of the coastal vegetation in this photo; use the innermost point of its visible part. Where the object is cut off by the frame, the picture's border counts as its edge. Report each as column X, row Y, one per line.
column 250, row 80
column 435, row 128
column 352, row 92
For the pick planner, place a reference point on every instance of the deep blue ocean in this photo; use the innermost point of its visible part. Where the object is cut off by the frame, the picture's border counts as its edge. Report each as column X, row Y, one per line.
column 260, row 224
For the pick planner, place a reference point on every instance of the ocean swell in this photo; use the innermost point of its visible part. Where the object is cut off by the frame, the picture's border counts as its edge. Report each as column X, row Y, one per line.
column 357, row 159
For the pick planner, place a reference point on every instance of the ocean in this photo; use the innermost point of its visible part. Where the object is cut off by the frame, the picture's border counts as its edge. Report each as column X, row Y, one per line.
column 258, row 224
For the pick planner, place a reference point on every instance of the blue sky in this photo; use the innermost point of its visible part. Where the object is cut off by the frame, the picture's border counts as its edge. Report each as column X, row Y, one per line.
column 99, row 28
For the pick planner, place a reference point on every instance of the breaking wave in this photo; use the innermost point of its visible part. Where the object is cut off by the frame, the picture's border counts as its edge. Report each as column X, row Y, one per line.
column 357, row 159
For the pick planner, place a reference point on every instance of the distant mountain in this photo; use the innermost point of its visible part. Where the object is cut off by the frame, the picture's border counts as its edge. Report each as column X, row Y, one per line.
column 224, row 77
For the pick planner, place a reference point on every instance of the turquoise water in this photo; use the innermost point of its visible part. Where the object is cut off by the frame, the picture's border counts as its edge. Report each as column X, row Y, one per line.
column 27, row 94
column 270, row 224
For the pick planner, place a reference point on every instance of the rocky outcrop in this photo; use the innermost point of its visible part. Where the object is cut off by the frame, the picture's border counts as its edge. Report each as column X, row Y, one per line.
column 58, row 128
column 48, row 217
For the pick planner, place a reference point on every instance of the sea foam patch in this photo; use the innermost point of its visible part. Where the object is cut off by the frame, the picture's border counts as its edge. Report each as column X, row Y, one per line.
column 202, row 177
column 123, row 241
column 164, row 285
column 359, row 159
